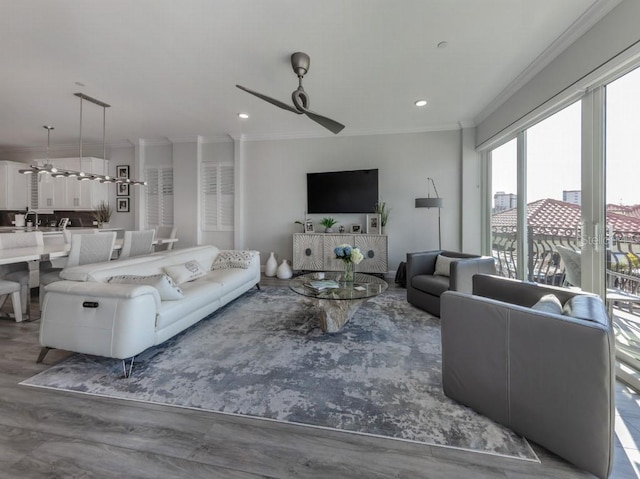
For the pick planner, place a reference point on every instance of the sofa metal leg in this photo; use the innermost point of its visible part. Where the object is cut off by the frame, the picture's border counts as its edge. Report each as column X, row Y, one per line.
column 124, row 367
column 43, row 353
column 258, row 286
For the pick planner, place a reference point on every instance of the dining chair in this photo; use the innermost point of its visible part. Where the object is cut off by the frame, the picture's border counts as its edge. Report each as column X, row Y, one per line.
column 572, row 266
column 12, row 288
column 165, row 232
column 67, row 233
column 19, row 272
column 137, row 243
column 85, row 249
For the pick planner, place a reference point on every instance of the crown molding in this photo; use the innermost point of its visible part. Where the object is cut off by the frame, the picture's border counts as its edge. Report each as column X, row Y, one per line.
column 348, row 133
column 152, row 142
column 65, row 148
column 202, row 139
column 596, row 12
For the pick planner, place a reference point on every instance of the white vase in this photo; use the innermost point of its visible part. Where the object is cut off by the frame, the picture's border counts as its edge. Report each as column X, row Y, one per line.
column 271, row 266
column 284, row 270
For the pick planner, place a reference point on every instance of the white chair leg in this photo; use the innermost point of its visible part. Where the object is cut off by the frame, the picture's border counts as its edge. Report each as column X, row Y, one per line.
column 17, row 306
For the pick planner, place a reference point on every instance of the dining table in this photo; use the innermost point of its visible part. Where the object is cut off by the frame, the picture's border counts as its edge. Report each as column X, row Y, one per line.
column 34, row 255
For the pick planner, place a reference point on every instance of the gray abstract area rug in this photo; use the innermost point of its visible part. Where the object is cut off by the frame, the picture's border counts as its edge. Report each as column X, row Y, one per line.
column 263, row 355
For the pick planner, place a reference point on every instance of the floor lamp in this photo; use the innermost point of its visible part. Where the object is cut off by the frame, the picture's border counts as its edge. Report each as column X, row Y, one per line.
column 430, row 202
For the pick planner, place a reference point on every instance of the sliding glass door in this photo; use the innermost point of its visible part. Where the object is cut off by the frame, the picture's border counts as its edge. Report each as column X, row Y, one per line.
column 623, row 221
column 536, row 183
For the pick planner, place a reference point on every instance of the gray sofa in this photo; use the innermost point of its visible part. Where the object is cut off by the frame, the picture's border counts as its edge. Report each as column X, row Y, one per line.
column 424, row 288
column 547, row 376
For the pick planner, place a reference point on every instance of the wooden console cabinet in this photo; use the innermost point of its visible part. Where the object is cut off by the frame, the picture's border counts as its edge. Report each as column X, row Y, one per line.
column 314, row 252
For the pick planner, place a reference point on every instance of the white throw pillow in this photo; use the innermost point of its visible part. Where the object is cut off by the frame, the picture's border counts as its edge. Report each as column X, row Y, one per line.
column 167, row 289
column 549, row 303
column 185, row 272
column 233, row 259
column 443, row 265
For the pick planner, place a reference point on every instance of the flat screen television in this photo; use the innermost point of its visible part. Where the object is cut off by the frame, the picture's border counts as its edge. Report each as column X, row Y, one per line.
column 353, row 191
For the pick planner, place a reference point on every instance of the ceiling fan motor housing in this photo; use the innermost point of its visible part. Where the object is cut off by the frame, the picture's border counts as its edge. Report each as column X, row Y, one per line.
column 300, row 63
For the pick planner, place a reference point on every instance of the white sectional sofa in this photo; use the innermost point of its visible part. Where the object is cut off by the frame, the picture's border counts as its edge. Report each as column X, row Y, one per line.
column 89, row 312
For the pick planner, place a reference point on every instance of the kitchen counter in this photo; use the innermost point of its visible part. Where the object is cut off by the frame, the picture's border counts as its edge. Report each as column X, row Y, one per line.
column 48, row 230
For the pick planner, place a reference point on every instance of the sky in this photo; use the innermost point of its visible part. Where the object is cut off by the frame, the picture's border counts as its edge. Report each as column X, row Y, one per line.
column 553, row 150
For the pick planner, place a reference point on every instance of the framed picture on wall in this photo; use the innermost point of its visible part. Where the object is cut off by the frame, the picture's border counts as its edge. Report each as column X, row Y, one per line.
column 122, row 205
column 122, row 171
column 122, row 189
column 373, row 224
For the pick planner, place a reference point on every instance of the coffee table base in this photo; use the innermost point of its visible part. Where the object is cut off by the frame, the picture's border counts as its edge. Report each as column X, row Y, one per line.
column 334, row 313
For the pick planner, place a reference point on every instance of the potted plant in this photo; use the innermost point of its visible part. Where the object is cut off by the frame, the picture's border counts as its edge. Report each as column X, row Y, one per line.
column 383, row 211
column 328, row 223
column 102, row 213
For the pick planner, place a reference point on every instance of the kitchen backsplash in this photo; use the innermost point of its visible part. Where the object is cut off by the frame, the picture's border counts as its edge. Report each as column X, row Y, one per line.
column 76, row 218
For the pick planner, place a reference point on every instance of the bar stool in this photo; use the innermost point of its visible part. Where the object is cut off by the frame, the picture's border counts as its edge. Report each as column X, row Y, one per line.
column 12, row 288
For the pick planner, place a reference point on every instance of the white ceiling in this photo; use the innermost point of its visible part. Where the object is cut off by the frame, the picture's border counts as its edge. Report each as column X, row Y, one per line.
column 169, row 68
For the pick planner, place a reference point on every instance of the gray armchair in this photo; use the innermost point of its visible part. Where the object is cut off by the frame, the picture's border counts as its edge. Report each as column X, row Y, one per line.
column 424, row 288
column 547, row 375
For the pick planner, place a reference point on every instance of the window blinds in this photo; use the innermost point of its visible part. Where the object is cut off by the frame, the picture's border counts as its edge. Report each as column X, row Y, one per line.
column 217, row 196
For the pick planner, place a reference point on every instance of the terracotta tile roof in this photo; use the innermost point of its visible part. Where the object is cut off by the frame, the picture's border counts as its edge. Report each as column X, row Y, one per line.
column 561, row 216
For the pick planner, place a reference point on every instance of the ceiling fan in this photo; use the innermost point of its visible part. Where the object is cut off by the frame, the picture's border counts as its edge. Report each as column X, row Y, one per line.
column 300, row 64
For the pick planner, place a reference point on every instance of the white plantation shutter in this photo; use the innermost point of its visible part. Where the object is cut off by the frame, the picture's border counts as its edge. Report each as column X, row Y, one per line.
column 33, row 193
column 217, row 196
column 159, row 196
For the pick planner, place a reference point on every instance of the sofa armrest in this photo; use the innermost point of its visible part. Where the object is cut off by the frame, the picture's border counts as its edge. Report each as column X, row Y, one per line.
column 110, row 320
column 546, row 376
column 421, row 263
column 463, row 270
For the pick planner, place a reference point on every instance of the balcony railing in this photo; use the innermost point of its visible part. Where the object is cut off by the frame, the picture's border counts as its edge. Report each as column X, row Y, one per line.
column 623, row 274
column 544, row 265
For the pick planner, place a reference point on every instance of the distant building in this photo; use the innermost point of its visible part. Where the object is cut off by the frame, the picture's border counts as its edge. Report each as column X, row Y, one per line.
column 504, row 201
column 572, row 196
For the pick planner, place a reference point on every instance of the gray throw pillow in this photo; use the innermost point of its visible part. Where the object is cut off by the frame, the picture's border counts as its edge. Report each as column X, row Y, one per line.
column 167, row 289
column 585, row 307
column 549, row 303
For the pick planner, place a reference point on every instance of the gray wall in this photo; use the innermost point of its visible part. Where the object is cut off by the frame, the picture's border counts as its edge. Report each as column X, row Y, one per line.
column 613, row 34
column 272, row 187
column 275, row 187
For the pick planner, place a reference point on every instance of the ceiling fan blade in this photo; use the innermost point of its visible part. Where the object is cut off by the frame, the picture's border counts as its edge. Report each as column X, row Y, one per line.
column 273, row 101
column 328, row 123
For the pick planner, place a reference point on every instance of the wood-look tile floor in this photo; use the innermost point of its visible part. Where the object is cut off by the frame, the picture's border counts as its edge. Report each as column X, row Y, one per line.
column 52, row 434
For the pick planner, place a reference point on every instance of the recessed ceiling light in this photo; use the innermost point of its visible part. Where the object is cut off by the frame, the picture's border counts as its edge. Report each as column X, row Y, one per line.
column 244, row 116
column 421, row 102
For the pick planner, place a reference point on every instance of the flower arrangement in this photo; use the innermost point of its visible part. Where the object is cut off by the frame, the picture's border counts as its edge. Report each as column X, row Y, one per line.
column 351, row 256
column 348, row 253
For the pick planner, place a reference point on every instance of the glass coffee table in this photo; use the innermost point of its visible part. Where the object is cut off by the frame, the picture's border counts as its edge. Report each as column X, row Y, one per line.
column 337, row 305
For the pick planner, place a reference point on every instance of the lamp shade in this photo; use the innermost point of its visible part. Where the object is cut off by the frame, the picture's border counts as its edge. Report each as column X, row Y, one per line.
column 428, row 202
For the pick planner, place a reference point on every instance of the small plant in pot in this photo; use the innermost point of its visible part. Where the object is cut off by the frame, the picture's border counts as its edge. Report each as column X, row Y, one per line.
column 328, row 223
column 102, row 213
column 383, row 211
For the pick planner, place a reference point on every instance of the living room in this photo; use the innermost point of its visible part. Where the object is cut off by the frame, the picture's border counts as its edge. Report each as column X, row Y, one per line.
column 271, row 160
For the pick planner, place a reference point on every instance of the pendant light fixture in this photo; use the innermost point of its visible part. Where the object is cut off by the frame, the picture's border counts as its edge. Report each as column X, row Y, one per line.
column 81, row 175
column 48, row 166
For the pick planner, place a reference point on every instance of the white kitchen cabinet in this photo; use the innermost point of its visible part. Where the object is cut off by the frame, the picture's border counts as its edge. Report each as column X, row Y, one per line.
column 13, row 186
column 61, row 193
